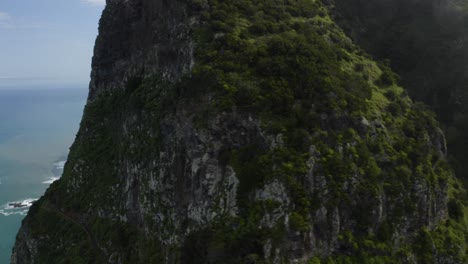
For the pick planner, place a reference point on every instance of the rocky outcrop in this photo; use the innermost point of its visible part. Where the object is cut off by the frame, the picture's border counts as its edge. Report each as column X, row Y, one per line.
column 191, row 149
column 141, row 37
column 26, row 250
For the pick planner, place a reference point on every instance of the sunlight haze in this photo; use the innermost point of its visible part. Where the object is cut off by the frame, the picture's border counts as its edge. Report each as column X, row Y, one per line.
column 47, row 42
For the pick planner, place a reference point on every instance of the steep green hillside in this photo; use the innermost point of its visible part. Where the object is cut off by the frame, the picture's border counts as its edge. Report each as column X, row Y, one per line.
column 426, row 42
column 274, row 140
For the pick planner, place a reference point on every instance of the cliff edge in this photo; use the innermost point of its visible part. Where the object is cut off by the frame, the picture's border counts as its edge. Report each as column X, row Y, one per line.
column 244, row 132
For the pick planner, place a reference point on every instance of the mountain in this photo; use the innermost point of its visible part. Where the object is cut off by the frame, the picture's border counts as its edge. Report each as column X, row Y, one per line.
column 426, row 43
column 246, row 132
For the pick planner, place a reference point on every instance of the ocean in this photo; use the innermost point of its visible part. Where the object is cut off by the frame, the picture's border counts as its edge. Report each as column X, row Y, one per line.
column 37, row 127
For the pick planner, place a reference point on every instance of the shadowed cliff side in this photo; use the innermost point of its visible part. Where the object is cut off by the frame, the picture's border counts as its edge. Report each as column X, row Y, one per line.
column 426, row 43
column 244, row 132
column 138, row 38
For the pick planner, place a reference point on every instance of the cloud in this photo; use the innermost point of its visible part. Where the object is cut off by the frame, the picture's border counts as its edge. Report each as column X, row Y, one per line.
column 26, row 78
column 4, row 16
column 5, row 20
column 8, row 22
column 95, row 2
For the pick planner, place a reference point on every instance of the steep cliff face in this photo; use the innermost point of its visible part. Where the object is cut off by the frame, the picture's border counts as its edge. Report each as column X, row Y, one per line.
column 426, row 42
column 242, row 132
column 138, row 38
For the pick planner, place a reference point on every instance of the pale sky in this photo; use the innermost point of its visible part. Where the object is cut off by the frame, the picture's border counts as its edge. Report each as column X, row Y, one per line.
column 47, row 42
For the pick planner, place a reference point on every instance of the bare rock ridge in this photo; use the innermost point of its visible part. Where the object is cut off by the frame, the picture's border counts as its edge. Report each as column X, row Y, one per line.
column 244, row 132
column 138, row 37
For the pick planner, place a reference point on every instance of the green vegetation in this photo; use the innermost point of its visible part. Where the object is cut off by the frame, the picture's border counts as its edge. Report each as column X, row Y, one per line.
column 419, row 43
column 427, row 45
column 352, row 145
column 290, row 65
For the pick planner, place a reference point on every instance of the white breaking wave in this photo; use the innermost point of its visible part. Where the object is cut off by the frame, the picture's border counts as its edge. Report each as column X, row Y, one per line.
column 57, row 171
column 60, row 165
column 22, row 207
column 17, row 207
column 51, row 180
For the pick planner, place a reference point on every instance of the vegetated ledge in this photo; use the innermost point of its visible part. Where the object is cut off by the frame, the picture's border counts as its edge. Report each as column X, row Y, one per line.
column 269, row 138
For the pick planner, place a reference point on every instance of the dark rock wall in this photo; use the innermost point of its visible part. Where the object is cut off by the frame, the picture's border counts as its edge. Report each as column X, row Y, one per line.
column 138, row 37
column 157, row 176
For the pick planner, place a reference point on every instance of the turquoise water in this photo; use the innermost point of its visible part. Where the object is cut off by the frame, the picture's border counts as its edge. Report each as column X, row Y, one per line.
column 37, row 127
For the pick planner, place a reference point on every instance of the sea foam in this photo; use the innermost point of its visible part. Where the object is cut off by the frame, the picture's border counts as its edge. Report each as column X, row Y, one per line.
column 50, row 180
column 17, row 207
column 57, row 171
column 60, row 165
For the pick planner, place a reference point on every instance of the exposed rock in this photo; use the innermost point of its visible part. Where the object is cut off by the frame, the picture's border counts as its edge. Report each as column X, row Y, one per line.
column 170, row 168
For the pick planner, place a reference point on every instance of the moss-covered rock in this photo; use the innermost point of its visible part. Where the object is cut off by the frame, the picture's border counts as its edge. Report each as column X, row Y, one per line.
column 278, row 141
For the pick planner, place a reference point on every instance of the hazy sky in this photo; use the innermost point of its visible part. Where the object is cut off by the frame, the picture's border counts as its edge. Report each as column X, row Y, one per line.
column 47, row 42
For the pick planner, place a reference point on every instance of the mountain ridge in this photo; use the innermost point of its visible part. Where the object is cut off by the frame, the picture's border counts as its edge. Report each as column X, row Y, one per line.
column 241, row 132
